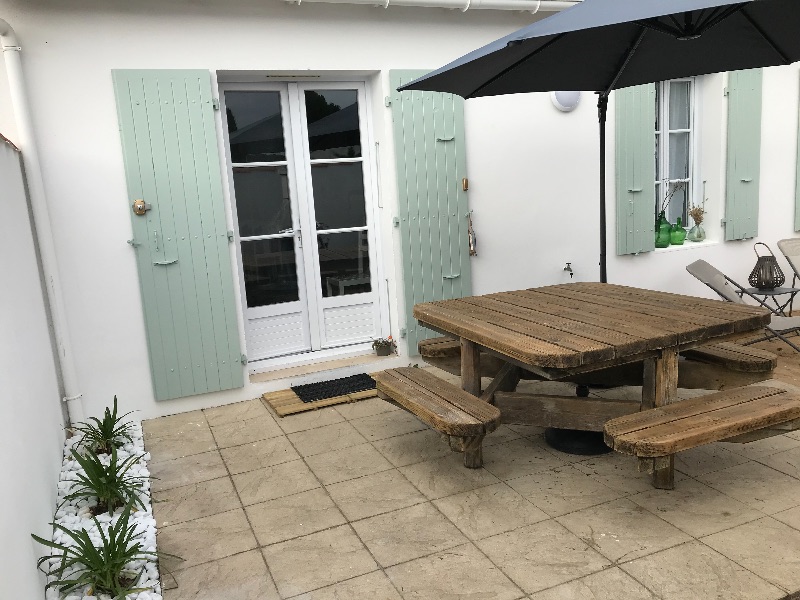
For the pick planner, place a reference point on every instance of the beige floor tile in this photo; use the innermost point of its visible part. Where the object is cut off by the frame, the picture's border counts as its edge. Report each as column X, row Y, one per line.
column 756, row 485
column 372, row 586
column 705, row 459
column 765, row 447
column 374, row 494
column 616, row 471
column 693, row 571
column 326, row 439
column 184, row 471
column 347, row 463
column 501, row 435
column 767, row 547
column 245, row 432
column 364, row 408
column 414, row 447
column 622, row 530
column 273, row 482
column 309, row 420
column 180, row 443
column 206, row 539
column 243, row 577
column 489, row 510
column 563, row 490
column 293, row 516
column 611, row 584
column 388, row 424
column 194, row 501
column 786, row 462
column 238, row 411
column 791, row 517
column 518, row 458
column 695, row 508
column 460, row 572
column 446, row 476
column 542, row 555
column 153, row 428
column 408, row 533
column 317, row 560
column 258, row 455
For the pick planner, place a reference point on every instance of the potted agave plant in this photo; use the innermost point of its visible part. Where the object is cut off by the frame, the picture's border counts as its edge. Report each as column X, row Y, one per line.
column 384, row 346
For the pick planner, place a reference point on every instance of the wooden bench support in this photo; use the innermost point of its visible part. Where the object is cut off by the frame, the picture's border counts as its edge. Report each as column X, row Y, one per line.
column 562, row 412
column 655, row 435
column 446, row 408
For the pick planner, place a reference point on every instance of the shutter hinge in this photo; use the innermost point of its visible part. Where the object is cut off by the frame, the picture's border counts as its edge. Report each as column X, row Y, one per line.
column 723, row 221
column 387, row 101
column 725, row 92
column 230, row 235
column 215, row 103
column 403, row 332
column 243, row 359
column 396, row 221
column 134, row 243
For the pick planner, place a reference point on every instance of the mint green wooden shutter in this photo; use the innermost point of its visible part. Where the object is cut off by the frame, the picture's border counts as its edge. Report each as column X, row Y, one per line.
column 431, row 162
column 744, row 154
column 169, row 145
column 635, row 146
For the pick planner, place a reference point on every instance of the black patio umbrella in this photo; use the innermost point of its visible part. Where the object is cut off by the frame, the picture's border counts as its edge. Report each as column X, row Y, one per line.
column 603, row 45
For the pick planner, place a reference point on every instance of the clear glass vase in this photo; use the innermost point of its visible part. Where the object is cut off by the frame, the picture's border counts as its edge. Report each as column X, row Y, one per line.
column 696, row 234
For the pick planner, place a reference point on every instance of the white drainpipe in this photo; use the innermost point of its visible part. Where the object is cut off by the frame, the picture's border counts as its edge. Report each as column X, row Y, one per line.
column 41, row 217
column 532, row 6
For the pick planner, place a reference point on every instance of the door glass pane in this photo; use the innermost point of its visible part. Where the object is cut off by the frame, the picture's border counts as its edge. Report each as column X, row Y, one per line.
column 262, row 200
column 344, row 263
column 333, row 130
column 338, row 195
column 679, row 105
column 255, row 126
column 270, row 271
column 679, row 155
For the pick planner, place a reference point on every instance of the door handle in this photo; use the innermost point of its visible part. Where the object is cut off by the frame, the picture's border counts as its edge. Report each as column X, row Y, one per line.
column 164, row 263
column 299, row 237
column 455, row 276
column 747, row 179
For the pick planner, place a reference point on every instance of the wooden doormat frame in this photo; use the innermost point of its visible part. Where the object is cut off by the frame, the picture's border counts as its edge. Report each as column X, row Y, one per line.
column 286, row 402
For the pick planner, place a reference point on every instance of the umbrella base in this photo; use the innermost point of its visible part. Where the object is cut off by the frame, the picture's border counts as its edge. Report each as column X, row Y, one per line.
column 573, row 441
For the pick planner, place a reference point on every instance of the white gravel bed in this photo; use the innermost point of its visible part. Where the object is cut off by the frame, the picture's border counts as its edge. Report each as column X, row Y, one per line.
column 76, row 515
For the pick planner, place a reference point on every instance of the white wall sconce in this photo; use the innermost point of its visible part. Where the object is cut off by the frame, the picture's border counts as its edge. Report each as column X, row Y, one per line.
column 565, row 101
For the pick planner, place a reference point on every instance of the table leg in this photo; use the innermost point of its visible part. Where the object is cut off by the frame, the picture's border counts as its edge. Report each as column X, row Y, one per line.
column 659, row 388
column 470, row 367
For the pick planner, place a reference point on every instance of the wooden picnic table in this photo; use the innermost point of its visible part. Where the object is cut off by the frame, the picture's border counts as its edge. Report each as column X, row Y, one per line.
column 561, row 331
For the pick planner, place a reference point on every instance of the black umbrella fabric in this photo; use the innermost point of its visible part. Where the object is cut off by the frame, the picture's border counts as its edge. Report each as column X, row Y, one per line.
column 603, row 45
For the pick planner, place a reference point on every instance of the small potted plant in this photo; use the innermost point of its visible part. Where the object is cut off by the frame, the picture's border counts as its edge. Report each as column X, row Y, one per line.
column 384, row 346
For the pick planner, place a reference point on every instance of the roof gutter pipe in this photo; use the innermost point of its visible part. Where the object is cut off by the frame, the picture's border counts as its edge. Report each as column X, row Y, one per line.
column 532, row 6
column 65, row 364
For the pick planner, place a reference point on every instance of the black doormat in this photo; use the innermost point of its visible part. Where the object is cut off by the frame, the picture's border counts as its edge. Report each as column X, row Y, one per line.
column 312, row 392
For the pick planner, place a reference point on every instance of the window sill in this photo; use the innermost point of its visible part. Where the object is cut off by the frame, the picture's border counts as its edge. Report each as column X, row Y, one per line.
column 687, row 246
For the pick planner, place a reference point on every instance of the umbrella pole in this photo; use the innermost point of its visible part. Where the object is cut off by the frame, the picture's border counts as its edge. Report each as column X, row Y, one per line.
column 602, row 109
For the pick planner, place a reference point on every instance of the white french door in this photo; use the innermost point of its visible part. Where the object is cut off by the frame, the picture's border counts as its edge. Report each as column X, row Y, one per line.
column 300, row 174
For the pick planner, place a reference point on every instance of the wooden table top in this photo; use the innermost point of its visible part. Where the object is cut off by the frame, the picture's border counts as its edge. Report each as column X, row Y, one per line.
column 578, row 324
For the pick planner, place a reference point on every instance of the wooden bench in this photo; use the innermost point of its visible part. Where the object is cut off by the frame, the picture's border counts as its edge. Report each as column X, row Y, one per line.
column 655, row 435
column 744, row 359
column 445, row 407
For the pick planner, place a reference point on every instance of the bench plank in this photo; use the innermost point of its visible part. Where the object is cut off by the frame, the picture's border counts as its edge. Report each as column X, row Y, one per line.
column 736, row 357
column 563, row 412
column 691, row 423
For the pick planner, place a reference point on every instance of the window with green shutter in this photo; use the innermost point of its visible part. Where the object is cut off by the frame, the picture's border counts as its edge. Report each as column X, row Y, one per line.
column 169, row 144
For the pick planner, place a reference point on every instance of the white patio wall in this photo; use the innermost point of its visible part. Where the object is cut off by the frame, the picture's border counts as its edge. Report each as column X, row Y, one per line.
column 31, row 431
column 532, row 169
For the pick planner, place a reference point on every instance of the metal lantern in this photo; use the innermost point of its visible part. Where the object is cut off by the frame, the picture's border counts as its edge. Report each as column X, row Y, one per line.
column 766, row 275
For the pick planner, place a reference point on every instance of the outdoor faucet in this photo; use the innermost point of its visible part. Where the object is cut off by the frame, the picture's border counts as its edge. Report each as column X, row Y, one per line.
column 568, row 269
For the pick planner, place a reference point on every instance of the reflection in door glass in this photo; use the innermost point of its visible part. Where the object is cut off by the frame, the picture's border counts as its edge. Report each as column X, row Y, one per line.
column 270, row 271
column 344, row 263
column 262, row 200
column 338, row 195
column 332, row 117
column 255, row 126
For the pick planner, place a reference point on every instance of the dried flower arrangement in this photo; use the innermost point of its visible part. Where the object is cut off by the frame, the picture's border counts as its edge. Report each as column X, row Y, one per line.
column 676, row 186
column 697, row 212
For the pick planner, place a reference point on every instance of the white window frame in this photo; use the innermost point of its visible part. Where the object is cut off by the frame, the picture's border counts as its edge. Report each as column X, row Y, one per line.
column 693, row 189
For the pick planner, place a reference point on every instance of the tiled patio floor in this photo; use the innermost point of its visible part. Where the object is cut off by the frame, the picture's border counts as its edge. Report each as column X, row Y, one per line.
column 362, row 501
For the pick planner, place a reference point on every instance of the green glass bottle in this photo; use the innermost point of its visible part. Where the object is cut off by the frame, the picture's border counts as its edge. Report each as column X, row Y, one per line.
column 678, row 234
column 663, row 231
